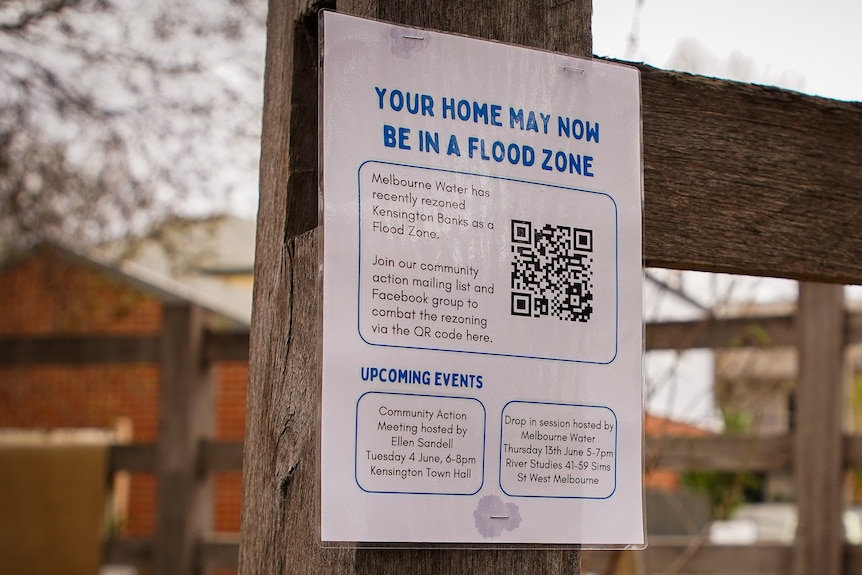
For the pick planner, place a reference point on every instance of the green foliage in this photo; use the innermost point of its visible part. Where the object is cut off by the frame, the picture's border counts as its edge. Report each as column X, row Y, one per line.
column 726, row 490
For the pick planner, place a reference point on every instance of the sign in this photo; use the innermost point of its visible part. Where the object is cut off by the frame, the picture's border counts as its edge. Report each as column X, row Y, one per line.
column 482, row 287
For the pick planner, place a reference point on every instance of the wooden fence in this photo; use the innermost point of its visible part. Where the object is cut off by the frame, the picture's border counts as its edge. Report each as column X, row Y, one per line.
column 186, row 453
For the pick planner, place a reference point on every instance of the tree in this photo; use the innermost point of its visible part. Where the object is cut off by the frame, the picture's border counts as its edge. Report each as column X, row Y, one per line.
column 115, row 113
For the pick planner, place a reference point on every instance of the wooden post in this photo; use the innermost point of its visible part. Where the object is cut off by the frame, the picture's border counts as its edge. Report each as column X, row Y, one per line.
column 186, row 416
column 281, row 470
column 819, row 415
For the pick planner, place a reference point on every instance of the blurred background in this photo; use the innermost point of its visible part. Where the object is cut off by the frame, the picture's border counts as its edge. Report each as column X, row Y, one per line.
column 129, row 148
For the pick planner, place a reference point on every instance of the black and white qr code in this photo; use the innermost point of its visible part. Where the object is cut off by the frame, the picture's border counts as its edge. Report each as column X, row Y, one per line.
column 552, row 271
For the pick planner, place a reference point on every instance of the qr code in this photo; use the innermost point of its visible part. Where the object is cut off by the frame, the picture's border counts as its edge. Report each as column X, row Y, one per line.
column 552, row 271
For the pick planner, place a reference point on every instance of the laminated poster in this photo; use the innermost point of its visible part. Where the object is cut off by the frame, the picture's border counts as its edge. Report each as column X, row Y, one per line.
column 482, row 292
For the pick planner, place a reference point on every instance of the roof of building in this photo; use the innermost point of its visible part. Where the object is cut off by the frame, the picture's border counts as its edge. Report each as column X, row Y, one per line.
column 184, row 260
column 660, row 426
column 192, row 259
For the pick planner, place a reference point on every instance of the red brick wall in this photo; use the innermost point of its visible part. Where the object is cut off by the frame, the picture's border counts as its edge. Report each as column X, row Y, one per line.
column 54, row 293
column 663, row 479
column 50, row 293
column 231, row 388
column 80, row 396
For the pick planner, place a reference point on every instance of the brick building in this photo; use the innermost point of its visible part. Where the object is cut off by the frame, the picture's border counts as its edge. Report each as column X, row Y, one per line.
column 53, row 291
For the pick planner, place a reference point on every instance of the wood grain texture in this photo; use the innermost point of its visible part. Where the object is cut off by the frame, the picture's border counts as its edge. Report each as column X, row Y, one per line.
column 819, row 444
column 186, row 418
column 555, row 25
column 281, row 474
column 750, row 179
column 271, row 455
column 281, row 469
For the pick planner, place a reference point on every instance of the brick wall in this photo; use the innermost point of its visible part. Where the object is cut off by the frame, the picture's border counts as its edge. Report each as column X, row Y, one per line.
column 232, row 382
column 664, row 479
column 51, row 292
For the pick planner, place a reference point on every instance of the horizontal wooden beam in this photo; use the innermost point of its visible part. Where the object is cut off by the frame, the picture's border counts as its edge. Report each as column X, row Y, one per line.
column 215, row 456
column 692, row 555
column 222, row 552
column 718, row 333
column 226, row 346
column 132, row 457
column 215, row 552
column 89, row 349
column 714, row 452
column 750, row 179
column 219, row 552
column 853, row 328
column 233, row 346
column 722, row 333
column 219, row 456
column 688, row 555
column 734, row 453
column 719, row 453
column 853, row 452
column 76, row 350
column 136, row 551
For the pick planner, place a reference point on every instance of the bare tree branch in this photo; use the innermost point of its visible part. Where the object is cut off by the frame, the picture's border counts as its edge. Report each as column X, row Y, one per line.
column 26, row 17
column 117, row 113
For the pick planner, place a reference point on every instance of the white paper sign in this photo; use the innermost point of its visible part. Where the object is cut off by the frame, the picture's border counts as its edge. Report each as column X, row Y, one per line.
column 482, row 329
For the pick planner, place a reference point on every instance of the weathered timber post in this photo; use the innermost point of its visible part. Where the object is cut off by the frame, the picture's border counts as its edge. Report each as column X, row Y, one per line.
column 186, row 418
column 281, row 467
column 819, row 444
